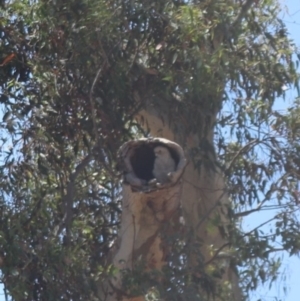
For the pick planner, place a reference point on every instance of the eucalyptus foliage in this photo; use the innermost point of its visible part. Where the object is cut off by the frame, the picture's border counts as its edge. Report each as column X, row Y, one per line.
column 69, row 75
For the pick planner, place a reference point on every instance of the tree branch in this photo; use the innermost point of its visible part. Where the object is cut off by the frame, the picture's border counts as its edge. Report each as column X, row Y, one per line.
column 242, row 14
column 69, row 197
column 105, row 63
column 245, row 213
column 243, row 149
column 97, row 76
column 246, row 234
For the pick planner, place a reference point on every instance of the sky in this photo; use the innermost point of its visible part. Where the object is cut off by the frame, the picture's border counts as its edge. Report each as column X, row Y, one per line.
column 291, row 265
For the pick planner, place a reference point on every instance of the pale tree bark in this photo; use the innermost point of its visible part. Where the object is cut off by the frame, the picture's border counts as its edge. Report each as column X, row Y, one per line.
column 147, row 205
column 148, row 208
column 203, row 196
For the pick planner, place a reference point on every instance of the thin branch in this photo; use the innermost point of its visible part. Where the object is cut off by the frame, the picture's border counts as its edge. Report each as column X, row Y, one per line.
column 5, row 292
column 217, row 253
column 35, row 210
column 262, row 224
column 204, row 218
column 243, row 149
column 97, row 145
column 69, row 197
column 245, row 213
column 68, row 200
column 246, row 234
column 217, row 203
column 105, row 63
column 99, row 154
column 236, row 23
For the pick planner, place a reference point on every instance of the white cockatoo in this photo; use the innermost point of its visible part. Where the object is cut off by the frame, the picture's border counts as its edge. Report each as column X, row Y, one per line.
column 163, row 164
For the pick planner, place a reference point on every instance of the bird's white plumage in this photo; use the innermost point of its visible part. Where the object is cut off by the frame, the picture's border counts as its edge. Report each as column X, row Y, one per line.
column 163, row 164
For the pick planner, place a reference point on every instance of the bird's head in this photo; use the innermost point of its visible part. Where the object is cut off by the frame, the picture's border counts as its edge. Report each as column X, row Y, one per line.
column 161, row 151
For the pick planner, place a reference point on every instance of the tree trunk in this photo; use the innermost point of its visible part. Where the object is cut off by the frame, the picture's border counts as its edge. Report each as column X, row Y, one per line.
column 203, row 199
column 202, row 194
column 148, row 209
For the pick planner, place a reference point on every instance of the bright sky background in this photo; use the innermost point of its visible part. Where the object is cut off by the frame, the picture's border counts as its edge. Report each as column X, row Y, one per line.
column 292, row 20
column 291, row 266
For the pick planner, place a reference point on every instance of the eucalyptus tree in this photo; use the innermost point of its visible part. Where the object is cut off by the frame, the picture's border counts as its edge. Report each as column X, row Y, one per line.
column 80, row 78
